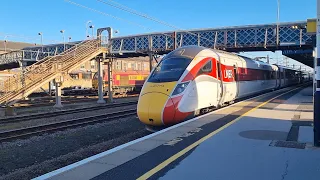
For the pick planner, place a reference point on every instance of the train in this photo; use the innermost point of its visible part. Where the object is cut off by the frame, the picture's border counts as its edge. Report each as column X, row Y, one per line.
column 123, row 81
column 193, row 80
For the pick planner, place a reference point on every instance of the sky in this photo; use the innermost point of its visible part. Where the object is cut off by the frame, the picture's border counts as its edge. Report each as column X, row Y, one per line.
column 23, row 20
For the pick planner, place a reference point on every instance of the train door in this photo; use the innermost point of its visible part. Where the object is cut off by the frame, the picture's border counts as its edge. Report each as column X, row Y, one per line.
column 279, row 78
column 220, row 84
column 236, row 79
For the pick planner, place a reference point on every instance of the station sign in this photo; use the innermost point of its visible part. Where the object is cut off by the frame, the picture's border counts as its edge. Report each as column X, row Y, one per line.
column 297, row 51
column 311, row 26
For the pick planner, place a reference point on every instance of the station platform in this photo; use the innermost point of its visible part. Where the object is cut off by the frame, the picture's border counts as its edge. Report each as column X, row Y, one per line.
column 265, row 137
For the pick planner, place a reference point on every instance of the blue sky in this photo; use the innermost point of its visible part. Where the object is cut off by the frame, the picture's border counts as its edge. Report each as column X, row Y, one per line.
column 24, row 19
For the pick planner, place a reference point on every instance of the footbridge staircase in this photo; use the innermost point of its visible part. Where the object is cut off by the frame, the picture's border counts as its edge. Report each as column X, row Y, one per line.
column 35, row 76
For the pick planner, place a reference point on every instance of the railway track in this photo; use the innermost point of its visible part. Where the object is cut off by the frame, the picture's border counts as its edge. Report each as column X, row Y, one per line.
column 52, row 127
column 65, row 100
column 62, row 112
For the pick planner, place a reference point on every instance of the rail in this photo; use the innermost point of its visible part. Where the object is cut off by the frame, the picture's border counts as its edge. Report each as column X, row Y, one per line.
column 62, row 112
column 52, row 127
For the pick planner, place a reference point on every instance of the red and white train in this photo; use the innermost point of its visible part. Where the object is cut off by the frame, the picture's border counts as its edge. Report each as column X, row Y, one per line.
column 192, row 80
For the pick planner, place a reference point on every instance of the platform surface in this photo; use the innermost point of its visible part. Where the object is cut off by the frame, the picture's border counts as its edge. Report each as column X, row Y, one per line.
column 267, row 137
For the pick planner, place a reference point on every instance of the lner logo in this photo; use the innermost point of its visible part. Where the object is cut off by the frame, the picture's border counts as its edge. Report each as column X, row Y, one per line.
column 228, row 74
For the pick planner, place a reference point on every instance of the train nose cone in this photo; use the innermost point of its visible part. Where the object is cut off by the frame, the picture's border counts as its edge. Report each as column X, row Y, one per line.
column 150, row 107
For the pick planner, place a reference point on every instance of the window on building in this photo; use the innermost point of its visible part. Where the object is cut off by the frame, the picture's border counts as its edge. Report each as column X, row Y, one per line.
column 74, row 76
column 82, row 66
column 119, row 65
column 86, row 76
column 93, row 64
column 125, row 66
column 133, row 66
column 139, row 66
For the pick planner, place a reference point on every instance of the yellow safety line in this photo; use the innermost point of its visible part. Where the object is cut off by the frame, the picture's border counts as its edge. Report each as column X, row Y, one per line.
column 182, row 152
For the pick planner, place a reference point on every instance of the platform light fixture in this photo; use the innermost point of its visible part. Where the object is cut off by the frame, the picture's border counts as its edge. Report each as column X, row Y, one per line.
column 5, row 43
column 64, row 43
column 87, row 24
column 41, row 39
column 92, row 28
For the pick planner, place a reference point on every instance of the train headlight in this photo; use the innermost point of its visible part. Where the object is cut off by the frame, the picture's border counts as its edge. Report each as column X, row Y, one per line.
column 180, row 88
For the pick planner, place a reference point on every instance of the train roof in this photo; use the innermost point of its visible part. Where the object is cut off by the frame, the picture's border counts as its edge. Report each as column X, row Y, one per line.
column 186, row 51
column 285, row 67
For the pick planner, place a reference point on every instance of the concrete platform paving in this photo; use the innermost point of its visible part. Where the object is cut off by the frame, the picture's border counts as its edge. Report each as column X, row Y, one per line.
column 273, row 141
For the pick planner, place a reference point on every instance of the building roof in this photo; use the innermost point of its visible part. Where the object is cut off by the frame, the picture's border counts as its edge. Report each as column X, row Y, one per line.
column 11, row 45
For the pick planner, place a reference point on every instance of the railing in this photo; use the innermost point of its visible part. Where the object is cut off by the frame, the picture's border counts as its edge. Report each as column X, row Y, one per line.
column 23, row 55
column 46, row 69
column 249, row 37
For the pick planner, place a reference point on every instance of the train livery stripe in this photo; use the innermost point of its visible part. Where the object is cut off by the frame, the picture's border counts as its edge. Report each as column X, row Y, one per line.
column 171, row 114
column 168, row 112
column 228, row 72
column 194, row 71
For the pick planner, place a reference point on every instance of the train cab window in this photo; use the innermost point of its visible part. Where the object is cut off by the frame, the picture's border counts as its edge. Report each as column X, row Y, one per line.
column 207, row 68
column 169, row 69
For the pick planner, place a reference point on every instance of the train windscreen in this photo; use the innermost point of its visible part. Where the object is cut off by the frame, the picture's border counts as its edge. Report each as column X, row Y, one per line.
column 169, row 69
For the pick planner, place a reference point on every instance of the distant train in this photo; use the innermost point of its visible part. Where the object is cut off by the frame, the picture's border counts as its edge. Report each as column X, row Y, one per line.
column 193, row 80
column 124, row 82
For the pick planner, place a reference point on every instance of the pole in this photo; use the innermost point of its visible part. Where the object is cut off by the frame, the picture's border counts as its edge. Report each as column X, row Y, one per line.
column 5, row 45
column 314, row 70
column 100, row 82
column 49, row 89
column 278, row 21
column 58, row 93
column 268, row 60
column 41, row 43
column 316, row 106
column 64, row 43
column 150, row 60
column 87, row 28
column 110, row 91
column 92, row 32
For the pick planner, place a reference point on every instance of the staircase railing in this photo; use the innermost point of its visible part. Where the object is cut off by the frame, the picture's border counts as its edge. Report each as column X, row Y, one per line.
column 46, row 69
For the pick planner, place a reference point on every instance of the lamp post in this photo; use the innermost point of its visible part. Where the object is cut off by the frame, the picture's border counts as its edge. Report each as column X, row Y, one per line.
column 278, row 19
column 69, row 39
column 64, row 44
column 92, row 28
column 5, row 43
column 88, row 22
column 41, row 38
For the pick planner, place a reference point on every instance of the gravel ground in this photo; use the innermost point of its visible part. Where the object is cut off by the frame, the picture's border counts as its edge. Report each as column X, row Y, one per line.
column 34, row 122
column 26, row 159
column 50, row 108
